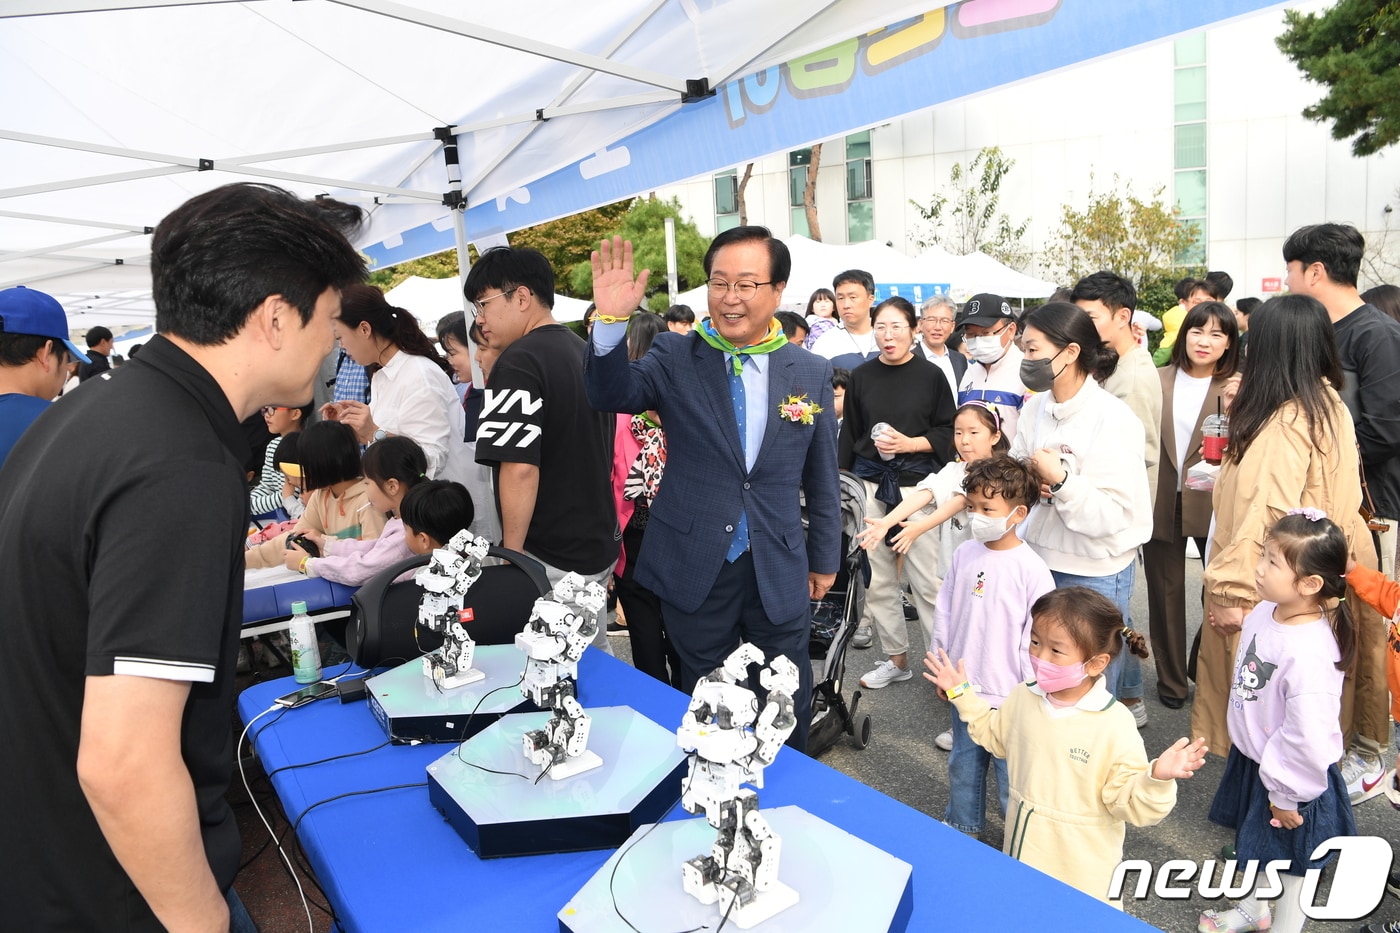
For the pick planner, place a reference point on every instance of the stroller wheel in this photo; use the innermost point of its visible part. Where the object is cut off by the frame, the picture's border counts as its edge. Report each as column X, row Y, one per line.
column 862, row 731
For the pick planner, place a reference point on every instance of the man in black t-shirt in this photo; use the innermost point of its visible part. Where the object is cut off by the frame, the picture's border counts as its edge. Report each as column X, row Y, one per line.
column 550, row 452
column 122, row 516
column 1323, row 261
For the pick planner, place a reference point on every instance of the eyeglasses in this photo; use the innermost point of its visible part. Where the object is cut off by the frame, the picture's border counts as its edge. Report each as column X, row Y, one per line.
column 940, row 321
column 891, row 328
column 745, row 290
column 268, row 410
column 480, row 305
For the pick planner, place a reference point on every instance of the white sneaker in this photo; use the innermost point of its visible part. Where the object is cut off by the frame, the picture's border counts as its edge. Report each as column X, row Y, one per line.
column 887, row 673
column 1139, row 711
column 1364, row 779
column 944, row 740
column 864, row 637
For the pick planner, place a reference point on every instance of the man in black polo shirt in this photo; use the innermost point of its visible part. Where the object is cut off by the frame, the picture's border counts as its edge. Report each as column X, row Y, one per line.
column 122, row 517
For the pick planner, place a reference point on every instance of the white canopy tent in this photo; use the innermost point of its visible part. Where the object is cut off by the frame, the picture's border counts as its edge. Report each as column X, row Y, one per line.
column 119, row 110
column 450, row 125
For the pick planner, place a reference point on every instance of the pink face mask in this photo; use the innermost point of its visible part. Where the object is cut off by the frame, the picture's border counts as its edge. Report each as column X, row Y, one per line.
column 1053, row 677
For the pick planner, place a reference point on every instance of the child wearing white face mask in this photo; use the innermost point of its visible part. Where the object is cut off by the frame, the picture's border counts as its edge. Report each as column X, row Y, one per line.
column 1078, row 768
column 983, row 614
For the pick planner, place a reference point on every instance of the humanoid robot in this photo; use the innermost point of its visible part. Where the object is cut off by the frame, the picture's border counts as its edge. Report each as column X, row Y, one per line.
column 445, row 581
column 561, row 625
column 731, row 742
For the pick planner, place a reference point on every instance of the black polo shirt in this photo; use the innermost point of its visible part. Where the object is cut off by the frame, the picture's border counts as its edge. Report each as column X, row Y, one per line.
column 122, row 515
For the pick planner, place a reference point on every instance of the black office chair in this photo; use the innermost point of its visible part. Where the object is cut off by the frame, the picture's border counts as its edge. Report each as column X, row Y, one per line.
column 385, row 612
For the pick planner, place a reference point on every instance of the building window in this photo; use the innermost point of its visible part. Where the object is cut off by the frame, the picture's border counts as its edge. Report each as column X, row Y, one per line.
column 726, row 200
column 798, row 160
column 860, row 209
column 1190, row 156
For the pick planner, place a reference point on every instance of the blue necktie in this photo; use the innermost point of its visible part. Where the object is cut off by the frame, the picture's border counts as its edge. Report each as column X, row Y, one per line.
column 740, row 544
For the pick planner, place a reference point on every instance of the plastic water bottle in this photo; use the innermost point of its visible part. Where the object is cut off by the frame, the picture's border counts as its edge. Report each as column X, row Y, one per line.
column 306, row 653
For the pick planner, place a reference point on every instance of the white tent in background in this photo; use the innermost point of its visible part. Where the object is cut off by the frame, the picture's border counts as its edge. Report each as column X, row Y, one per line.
column 429, row 300
column 977, row 272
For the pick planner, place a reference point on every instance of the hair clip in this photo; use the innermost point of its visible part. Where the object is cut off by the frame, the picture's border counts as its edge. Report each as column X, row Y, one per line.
column 1125, row 632
column 1311, row 514
column 990, row 407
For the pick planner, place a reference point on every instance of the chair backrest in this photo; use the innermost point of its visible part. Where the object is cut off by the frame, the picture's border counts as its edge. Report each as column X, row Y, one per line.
column 385, row 611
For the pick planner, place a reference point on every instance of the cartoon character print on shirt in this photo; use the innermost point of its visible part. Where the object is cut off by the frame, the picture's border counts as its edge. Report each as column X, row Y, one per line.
column 1253, row 673
column 979, row 589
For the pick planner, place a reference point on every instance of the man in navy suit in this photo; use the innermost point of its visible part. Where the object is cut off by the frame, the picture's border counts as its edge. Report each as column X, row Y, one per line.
column 750, row 424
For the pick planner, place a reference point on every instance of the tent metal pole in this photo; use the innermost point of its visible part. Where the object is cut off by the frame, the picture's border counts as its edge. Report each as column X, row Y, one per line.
column 322, row 150
column 519, row 43
column 40, row 251
column 571, row 88
column 45, row 218
column 742, row 65
column 82, row 146
column 88, row 182
column 432, row 196
column 17, row 8
column 28, row 279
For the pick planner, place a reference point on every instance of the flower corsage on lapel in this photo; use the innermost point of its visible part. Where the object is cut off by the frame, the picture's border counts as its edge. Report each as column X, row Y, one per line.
column 799, row 409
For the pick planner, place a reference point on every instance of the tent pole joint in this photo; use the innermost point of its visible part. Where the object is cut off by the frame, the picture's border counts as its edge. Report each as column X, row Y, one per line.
column 697, row 89
column 206, row 165
column 454, row 200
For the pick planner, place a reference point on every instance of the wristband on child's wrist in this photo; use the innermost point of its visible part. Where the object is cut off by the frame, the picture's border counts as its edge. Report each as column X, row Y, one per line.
column 955, row 692
column 301, row 567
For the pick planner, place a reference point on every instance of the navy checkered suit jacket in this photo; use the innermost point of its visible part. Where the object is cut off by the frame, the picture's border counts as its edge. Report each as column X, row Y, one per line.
column 706, row 484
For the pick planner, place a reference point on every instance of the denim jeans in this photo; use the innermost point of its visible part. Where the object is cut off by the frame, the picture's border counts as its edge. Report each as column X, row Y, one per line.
column 238, row 919
column 967, row 780
column 1124, row 675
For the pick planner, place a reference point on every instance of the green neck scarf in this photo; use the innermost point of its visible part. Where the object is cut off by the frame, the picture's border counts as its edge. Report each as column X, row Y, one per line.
column 773, row 341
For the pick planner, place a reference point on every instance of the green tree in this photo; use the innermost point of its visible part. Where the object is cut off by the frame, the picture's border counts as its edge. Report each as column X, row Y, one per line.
column 645, row 225
column 1352, row 48
column 437, row 266
column 964, row 216
column 1120, row 232
column 568, row 241
column 565, row 242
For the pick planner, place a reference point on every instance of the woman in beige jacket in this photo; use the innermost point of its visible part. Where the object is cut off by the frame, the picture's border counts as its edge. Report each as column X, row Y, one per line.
column 1291, row 444
column 337, row 504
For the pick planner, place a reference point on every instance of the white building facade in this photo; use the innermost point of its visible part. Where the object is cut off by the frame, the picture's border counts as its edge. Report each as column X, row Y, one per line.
column 1213, row 118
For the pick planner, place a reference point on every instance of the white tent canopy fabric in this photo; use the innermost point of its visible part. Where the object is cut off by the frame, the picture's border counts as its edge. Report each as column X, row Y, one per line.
column 116, row 115
column 452, row 122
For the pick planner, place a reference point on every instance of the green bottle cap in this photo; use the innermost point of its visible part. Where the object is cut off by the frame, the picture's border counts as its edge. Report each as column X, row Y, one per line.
column 299, row 608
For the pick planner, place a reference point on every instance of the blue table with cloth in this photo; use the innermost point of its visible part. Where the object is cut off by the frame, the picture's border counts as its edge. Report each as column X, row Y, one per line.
column 268, row 594
column 390, row 862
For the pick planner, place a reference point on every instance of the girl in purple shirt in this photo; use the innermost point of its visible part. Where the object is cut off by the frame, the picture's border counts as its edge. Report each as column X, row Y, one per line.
column 1282, row 791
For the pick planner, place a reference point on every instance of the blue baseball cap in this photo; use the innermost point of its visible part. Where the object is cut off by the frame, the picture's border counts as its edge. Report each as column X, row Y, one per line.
column 26, row 311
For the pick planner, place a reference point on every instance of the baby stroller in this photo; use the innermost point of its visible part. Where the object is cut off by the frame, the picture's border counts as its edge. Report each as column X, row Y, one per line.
column 834, row 621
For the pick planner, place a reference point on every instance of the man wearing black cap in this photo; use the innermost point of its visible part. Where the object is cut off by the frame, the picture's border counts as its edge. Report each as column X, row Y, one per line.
column 34, row 355
column 994, row 375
